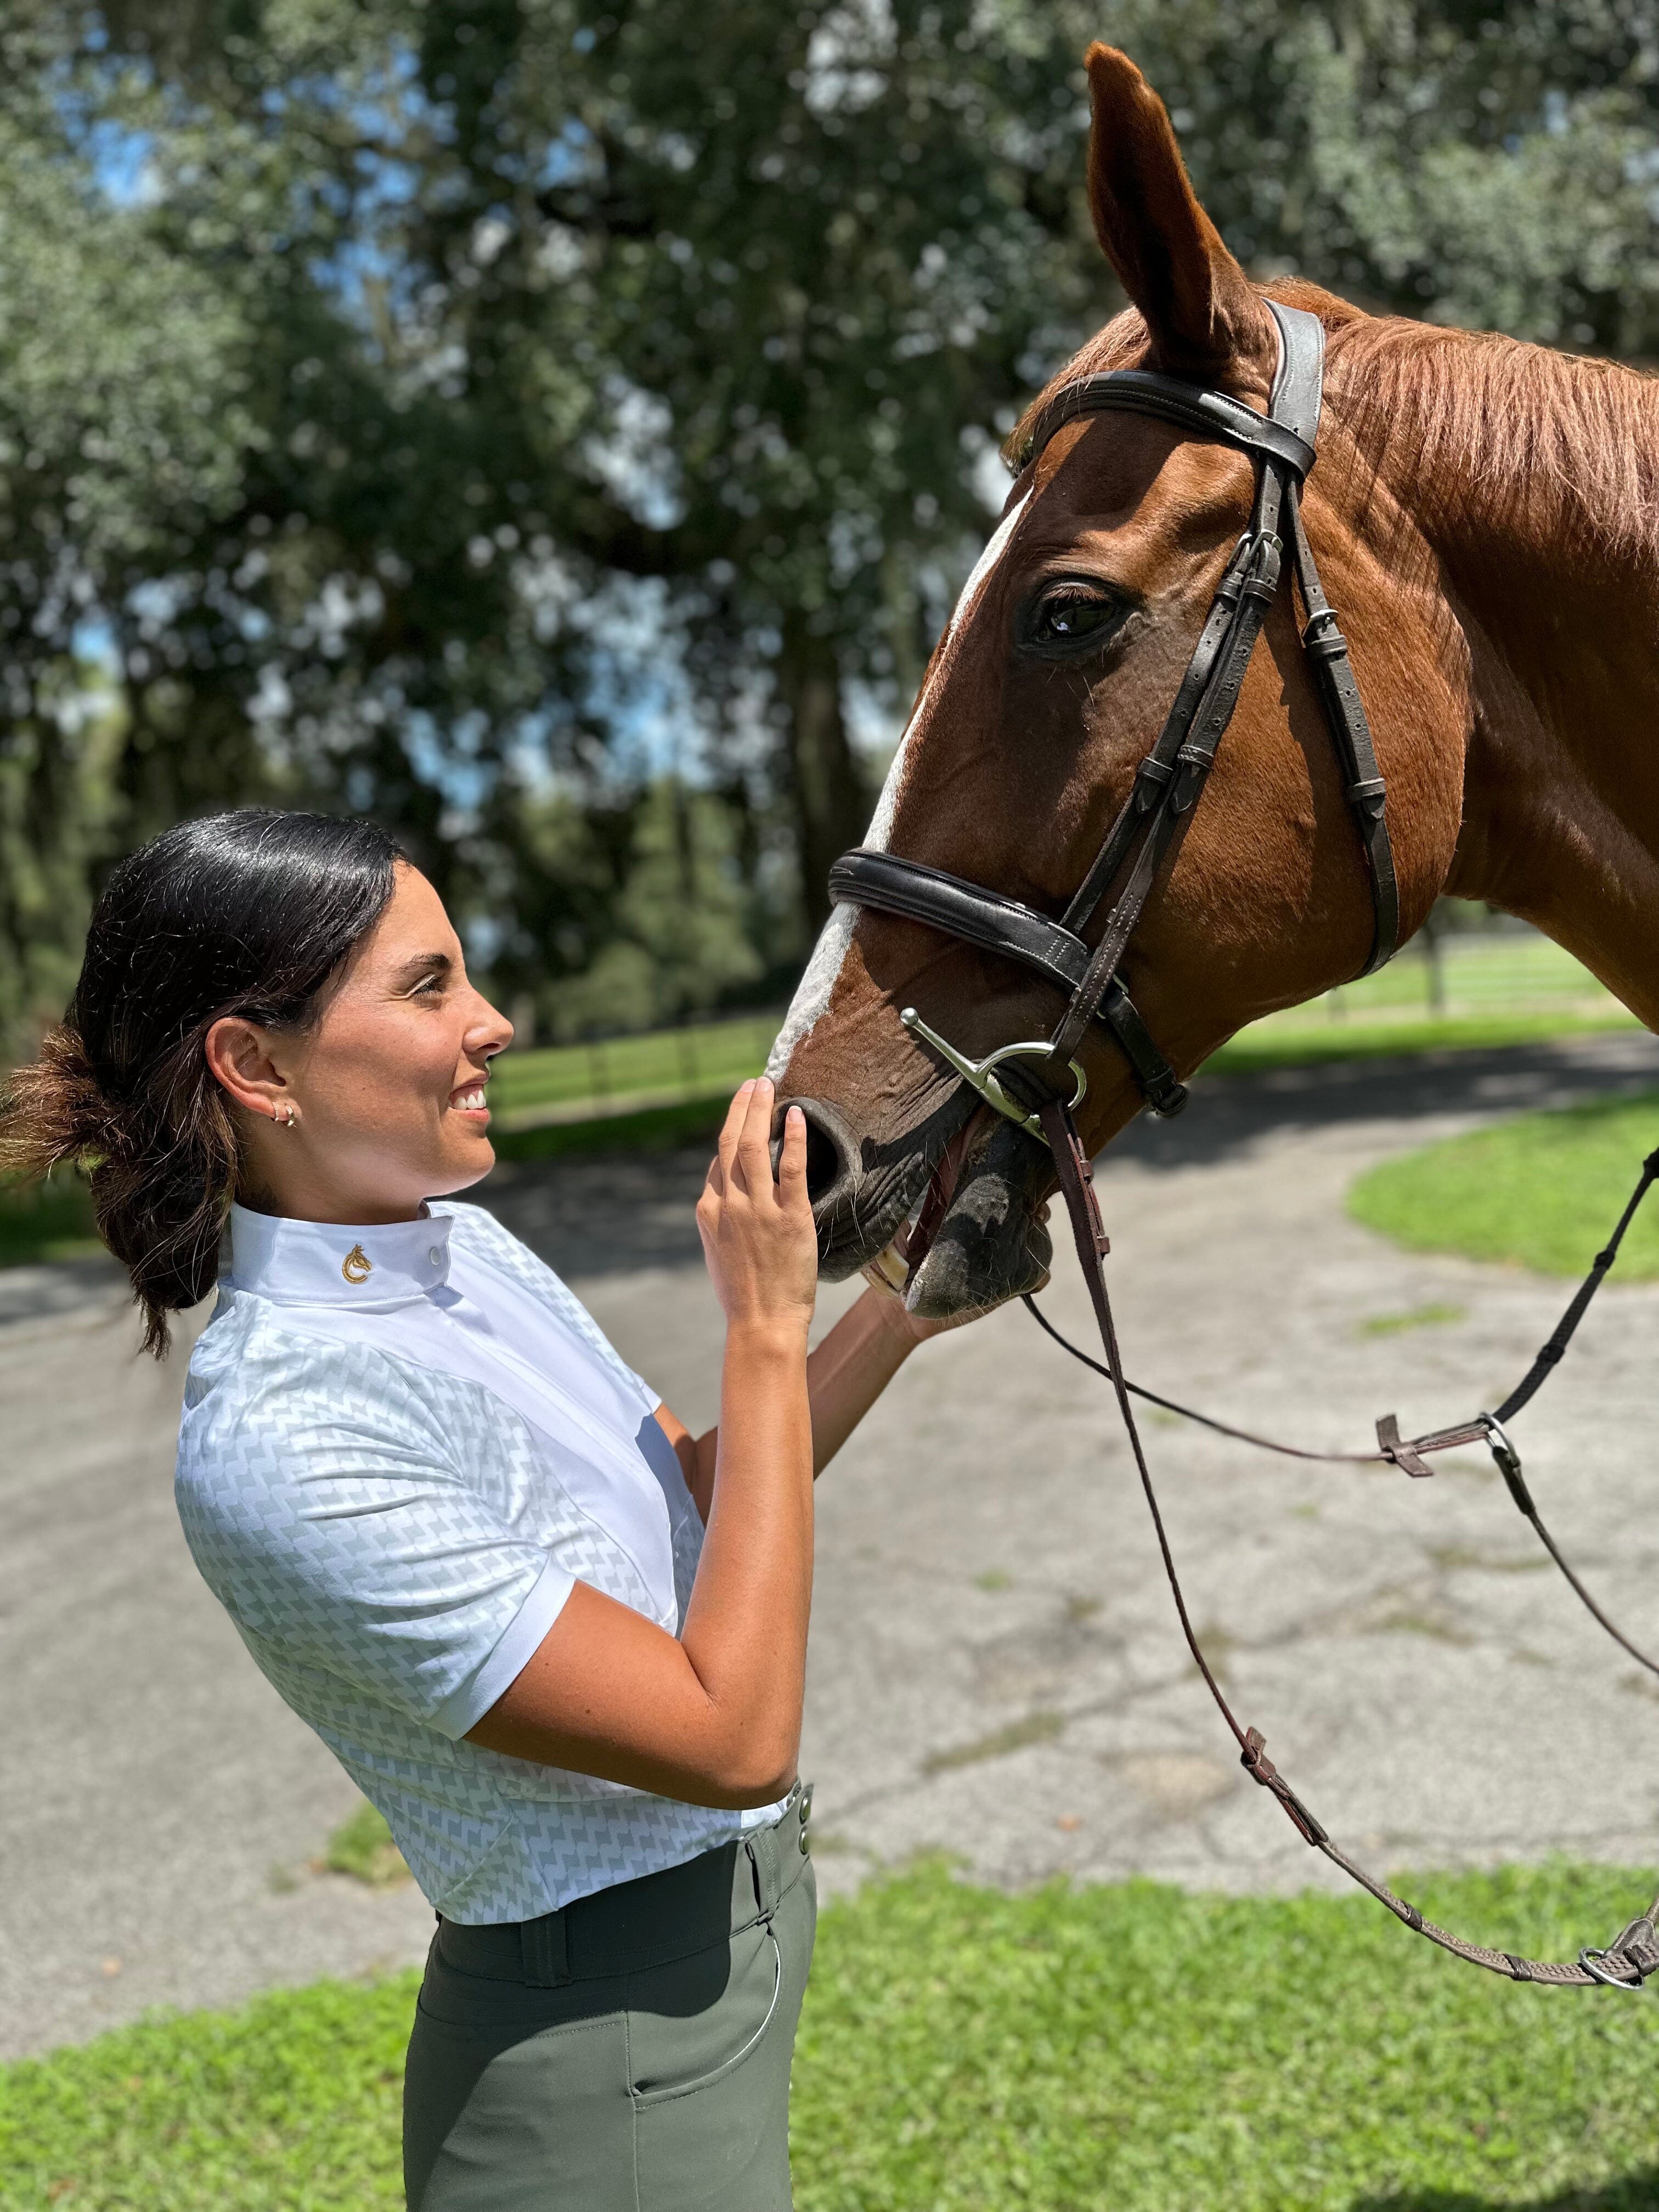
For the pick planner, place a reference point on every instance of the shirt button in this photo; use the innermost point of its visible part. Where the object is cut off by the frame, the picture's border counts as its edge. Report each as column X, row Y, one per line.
column 435, row 1257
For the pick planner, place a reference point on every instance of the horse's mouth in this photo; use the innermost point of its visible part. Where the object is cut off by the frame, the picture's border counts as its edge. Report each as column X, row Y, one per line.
column 975, row 1236
column 914, row 1240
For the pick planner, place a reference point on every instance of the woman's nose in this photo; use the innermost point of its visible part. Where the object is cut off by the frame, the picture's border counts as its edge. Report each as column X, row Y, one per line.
column 489, row 1033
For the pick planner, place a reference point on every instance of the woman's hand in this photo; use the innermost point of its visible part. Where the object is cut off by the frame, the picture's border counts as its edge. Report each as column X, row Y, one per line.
column 758, row 1237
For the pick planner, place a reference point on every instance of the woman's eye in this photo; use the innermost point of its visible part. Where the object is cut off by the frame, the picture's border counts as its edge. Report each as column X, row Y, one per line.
column 1072, row 616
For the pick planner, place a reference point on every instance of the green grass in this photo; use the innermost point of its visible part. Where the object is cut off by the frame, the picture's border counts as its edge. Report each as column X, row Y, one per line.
column 361, row 1846
column 1541, row 1191
column 647, row 1129
column 1119, row 2049
column 1481, row 973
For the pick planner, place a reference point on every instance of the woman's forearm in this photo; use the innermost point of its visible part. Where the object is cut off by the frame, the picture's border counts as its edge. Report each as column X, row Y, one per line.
column 711, row 1715
column 746, row 1627
column 849, row 1371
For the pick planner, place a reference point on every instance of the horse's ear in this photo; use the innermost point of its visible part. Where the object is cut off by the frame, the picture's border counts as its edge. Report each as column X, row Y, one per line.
column 1199, row 307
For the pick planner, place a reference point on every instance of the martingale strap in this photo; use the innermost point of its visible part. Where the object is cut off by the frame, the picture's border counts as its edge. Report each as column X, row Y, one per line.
column 1172, row 776
column 1411, row 1454
column 1633, row 1954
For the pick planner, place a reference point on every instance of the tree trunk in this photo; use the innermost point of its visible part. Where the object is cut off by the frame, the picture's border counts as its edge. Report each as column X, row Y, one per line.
column 832, row 805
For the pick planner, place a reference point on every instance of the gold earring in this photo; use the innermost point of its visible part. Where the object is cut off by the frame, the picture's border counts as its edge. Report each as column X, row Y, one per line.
column 285, row 1119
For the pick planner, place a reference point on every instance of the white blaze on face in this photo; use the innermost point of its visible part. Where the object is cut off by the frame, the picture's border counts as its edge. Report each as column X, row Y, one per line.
column 812, row 994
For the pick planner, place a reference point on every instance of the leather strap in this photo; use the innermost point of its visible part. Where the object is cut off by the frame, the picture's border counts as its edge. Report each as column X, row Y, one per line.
column 1298, row 391
column 1211, row 416
column 1193, row 758
column 1412, row 1454
column 1633, row 1954
column 915, row 892
column 1344, row 715
column 1561, row 1336
column 1170, row 779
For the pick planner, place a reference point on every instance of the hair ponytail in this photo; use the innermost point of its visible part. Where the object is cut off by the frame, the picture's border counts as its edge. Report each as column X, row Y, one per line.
column 253, row 913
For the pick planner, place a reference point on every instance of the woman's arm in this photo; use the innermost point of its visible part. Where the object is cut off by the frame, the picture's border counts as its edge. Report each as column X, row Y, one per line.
column 845, row 1376
column 713, row 1716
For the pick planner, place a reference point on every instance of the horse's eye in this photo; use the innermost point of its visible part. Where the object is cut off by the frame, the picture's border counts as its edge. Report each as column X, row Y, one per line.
column 1073, row 615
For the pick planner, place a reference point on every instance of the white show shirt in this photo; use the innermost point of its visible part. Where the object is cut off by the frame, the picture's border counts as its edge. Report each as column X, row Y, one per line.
column 402, row 1446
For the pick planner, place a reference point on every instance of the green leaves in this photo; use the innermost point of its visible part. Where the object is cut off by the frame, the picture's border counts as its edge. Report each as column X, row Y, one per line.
column 356, row 355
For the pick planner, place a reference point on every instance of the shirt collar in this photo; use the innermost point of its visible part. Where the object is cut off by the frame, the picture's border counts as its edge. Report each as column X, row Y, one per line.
column 326, row 1263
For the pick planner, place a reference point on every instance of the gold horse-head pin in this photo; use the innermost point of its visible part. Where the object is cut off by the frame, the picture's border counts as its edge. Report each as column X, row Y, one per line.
column 356, row 1267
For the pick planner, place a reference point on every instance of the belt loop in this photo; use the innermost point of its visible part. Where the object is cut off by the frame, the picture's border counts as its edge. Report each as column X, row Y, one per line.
column 545, row 1947
column 762, row 1846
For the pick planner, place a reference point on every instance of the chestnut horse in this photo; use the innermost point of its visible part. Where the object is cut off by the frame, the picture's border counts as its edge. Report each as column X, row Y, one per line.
column 1482, row 514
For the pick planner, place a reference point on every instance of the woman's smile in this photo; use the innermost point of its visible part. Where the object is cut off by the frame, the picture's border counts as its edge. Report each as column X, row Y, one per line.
column 470, row 1097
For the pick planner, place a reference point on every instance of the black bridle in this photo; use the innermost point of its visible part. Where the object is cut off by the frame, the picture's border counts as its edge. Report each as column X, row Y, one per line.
column 1167, row 786
column 1172, row 776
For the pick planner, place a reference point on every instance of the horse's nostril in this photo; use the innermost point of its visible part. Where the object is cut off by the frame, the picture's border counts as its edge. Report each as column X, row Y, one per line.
column 822, row 1159
column 829, row 1149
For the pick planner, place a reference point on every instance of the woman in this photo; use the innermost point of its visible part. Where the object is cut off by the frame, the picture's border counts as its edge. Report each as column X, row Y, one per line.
column 559, row 1641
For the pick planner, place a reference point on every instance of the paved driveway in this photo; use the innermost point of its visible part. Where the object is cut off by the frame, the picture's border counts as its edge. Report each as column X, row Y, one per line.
column 995, row 1669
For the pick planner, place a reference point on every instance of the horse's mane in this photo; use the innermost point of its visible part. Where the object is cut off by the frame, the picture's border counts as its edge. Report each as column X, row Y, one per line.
column 1559, row 445
column 1553, row 445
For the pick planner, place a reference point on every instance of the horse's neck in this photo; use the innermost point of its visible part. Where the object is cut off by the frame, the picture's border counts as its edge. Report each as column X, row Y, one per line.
column 1548, row 536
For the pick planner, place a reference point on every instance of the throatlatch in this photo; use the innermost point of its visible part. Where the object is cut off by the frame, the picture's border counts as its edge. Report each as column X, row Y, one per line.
column 1167, row 786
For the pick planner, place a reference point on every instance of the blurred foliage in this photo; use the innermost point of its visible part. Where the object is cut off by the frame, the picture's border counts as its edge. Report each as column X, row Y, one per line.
column 473, row 412
column 635, row 913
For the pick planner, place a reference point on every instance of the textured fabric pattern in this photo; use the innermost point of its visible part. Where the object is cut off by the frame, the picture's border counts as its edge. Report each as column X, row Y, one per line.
column 392, row 1542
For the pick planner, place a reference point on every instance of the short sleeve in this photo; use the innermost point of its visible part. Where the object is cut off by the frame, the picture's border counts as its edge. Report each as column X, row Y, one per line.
column 326, row 1506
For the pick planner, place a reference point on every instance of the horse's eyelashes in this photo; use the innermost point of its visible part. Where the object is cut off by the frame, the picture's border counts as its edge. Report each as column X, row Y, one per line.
column 1071, row 618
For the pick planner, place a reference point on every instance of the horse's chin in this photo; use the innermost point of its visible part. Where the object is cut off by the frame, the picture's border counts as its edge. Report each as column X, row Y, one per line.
column 990, row 1246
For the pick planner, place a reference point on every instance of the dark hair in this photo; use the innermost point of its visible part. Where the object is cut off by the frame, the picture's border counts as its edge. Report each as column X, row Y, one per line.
column 251, row 913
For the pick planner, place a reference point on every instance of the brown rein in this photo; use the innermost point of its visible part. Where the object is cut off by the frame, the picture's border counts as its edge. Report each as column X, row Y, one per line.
column 1633, row 1954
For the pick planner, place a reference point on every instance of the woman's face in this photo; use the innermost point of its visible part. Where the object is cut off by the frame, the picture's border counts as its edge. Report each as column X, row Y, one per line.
column 387, row 1091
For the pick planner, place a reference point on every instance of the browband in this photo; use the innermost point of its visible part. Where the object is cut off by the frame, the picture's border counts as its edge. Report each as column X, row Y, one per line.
column 1208, row 415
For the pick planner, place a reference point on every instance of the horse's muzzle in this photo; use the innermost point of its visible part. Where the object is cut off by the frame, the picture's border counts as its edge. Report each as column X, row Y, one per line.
column 988, row 1245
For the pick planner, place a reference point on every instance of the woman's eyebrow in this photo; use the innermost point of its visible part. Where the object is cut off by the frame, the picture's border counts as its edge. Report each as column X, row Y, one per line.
column 422, row 964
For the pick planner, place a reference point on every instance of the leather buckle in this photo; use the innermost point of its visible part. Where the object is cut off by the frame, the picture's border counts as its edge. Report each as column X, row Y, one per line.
column 1261, row 577
column 1592, row 1963
column 1152, row 778
column 1508, row 1462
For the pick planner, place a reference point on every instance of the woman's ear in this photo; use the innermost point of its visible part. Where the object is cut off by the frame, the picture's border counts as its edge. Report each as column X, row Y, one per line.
column 1204, row 319
column 239, row 1059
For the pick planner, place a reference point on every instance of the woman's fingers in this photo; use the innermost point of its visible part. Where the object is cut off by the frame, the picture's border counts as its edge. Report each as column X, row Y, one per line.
column 754, row 1146
column 792, row 1163
column 732, row 1129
